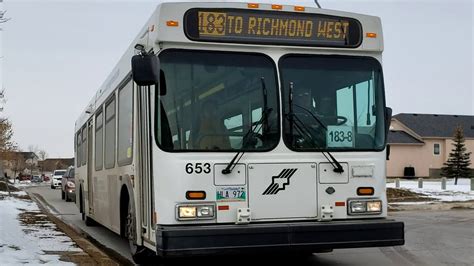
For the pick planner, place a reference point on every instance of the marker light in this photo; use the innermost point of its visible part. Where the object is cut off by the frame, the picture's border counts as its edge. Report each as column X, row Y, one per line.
column 300, row 8
column 277, row 7
column 172, row 23
column 223, row 207
column 253, row 5
column 371, row 35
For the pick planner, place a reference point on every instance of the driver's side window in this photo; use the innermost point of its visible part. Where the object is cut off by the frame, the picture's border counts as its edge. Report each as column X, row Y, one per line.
column 345, row 104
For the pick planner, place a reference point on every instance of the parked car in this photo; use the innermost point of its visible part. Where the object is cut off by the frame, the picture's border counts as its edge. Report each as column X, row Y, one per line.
column 56, row 178
column 68, row 186
column 36, row 179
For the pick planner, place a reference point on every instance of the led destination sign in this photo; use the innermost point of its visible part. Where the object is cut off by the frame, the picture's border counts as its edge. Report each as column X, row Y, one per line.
column 263, row 27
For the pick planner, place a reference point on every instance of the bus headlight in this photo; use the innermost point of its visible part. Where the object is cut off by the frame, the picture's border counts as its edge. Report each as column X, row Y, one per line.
column 195, row 212
column 369, row 206
column 186, row 212
column 358, row 207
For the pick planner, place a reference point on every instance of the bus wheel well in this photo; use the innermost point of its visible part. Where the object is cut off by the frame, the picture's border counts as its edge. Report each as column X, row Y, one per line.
column 124, row 199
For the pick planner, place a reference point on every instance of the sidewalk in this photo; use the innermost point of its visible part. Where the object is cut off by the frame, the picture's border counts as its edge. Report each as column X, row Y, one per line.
column 30, row 236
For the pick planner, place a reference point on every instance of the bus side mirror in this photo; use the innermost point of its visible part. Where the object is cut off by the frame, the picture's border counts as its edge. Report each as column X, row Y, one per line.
column 388, row 120
column 146, row 69
column 162, row 84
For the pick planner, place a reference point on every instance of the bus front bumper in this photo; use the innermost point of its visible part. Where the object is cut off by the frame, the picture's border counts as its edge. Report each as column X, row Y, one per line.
column 175, row 241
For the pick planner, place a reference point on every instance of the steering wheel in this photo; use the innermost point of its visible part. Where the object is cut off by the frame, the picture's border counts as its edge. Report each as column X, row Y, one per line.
column 340, row 120
column 253, row 140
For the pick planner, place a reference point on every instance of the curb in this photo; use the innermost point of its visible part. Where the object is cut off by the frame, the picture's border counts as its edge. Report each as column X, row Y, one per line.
column 46, row 208
column 435, row 206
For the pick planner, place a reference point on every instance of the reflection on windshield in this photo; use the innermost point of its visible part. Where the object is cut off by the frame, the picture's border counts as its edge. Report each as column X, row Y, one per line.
column 337, row 103
column 213, row 99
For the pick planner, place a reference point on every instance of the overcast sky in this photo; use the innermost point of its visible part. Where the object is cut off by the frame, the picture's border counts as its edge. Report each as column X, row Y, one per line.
column 57, row 54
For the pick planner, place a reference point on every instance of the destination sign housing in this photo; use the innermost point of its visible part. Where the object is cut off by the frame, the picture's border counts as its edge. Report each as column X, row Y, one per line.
column 267, row 27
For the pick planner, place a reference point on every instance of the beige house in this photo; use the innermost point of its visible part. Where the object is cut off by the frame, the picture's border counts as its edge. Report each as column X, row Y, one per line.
column 424, row 141
column 20, row 163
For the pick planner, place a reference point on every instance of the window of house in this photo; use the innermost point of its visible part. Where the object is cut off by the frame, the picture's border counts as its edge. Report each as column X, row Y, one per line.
column 109, row 156
column 436, row 149
column 99, row 141
column 125, row 125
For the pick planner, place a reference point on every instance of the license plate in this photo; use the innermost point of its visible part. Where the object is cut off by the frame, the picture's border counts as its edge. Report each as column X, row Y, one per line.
column 231, row 194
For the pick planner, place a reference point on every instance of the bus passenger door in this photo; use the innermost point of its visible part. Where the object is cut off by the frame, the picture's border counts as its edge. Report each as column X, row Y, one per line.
column 89, row 167
column 144, row 162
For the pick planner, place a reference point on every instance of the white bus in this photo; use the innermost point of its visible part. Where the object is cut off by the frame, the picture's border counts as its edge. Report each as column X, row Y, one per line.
column 241, row 127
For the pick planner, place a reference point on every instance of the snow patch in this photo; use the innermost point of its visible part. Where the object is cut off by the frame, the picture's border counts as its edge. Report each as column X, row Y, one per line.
column 25, row 242
column 460, row 192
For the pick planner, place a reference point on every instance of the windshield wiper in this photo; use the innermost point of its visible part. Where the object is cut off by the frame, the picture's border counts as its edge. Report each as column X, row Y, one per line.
column 263, row 123
column 291, row 117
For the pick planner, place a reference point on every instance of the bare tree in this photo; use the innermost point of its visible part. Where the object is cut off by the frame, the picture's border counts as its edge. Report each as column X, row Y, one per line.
column 33, row 148
column 42, row 154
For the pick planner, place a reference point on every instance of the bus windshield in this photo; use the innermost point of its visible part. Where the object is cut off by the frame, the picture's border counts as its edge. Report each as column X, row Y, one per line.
column 337, row 103
column 213, row 99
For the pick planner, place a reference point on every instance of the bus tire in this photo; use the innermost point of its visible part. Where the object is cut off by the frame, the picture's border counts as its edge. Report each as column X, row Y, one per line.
column 140, row 254
column 89, row 221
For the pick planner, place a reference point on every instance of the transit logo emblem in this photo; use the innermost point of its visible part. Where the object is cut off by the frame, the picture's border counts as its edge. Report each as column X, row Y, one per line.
column 280, row 182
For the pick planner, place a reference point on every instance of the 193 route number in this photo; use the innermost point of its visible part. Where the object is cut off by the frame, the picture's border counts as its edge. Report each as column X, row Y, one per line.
column 198, row 168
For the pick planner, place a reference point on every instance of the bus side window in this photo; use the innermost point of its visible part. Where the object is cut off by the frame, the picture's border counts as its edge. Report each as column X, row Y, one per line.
column 99, row 141
column 78, row 149
column 109, row 157
column 125, row 125
column 84, row 145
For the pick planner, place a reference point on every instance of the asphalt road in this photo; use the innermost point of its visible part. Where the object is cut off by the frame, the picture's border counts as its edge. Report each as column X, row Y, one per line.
column 432, row 238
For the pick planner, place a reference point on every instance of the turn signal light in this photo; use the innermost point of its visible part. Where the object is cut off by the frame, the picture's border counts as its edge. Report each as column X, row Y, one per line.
column 172, row 23
column 371, row 35
column 253, row 5
column 195, row 195
column 365, row 191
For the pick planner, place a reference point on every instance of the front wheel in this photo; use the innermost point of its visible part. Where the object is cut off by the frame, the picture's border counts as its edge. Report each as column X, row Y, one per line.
column 140, row 254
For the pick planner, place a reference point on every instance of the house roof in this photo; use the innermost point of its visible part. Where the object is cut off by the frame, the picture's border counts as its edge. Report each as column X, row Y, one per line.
column 27, row 155
column 434, row 125
column 401, row 137
column 52, row 164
